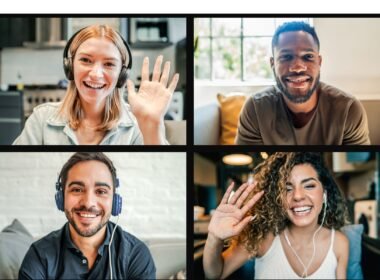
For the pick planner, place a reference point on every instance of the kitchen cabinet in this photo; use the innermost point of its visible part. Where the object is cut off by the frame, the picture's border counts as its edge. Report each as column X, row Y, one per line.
column 15, row 31
column 11, row 116
column 149, row 32
column 75, row 24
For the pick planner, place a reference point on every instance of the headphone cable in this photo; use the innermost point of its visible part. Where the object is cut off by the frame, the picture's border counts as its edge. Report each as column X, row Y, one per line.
column 109, row 247
column 305, row 268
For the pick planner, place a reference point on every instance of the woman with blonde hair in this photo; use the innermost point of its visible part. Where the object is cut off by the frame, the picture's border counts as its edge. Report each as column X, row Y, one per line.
column 289, row 220
column 96, row 63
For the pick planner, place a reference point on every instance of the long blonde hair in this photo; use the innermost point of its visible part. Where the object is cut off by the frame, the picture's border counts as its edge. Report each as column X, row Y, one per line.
column 71, row 107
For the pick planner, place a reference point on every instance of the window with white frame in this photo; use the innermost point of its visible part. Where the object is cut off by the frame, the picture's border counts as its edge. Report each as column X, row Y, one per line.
column 235, row 49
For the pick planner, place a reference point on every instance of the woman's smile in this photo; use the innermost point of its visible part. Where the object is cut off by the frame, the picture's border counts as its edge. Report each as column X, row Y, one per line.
column 304, row 194
column 301, row 211
column 93, row 85
column 97, row 66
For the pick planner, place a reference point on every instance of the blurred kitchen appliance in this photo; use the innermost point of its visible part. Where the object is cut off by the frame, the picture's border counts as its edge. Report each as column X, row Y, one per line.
column 149, row 32
column 175, row 111
column 74, row 24
column 181, row 63
column 366, row 213
column 34, row 97
column 180, row 66
column 11, row 116
column 50, row 33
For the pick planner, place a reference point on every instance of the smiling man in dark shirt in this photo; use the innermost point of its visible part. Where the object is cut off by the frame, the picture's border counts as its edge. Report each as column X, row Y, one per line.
column 89, row 246
column 300, row 110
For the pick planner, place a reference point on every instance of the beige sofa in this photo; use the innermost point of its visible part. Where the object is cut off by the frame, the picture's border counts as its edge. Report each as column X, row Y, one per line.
column 176, row 132
column 169, row 257
column 207, row 123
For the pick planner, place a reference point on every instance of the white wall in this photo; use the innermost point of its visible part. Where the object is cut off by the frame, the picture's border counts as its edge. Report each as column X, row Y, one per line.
column 350, row 52
column 153, row 187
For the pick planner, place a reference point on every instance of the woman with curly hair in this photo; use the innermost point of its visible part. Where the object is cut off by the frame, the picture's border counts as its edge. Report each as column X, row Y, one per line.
column 289, row 220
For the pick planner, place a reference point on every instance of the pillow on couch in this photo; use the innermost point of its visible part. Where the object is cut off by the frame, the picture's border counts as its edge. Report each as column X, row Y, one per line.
column 15, row 241
column 354, row 235
column 230, row 107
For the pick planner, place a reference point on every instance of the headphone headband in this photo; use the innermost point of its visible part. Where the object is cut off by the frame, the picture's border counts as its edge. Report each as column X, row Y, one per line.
column 117, row 201
column 68, row 63
column 68, row 44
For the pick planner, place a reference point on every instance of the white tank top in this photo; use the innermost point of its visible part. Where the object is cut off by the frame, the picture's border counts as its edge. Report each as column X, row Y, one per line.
column 275, row 265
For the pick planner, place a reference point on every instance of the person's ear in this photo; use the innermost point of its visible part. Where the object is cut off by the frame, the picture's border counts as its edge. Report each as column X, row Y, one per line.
column 320, row 60
column 272, row 62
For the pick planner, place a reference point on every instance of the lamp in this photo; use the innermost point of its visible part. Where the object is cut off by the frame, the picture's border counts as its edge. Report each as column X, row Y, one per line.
column 264, row 155
column 237, row 159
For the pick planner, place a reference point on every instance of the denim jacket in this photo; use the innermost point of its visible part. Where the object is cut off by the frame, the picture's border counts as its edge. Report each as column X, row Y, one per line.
column 46, row 127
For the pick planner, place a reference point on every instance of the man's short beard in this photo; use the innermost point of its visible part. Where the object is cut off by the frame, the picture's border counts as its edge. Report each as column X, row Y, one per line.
column 297, row 98
column 89, row 232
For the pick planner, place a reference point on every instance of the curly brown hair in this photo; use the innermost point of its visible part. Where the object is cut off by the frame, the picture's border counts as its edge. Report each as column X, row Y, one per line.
column 269, row 212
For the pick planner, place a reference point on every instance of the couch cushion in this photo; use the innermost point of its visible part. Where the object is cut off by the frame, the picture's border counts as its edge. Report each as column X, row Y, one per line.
column 370, row 257
column 230, row 107
column 176, row 132
column 15, row 240
column 207, row 124
column 371, row 108
column 354, row 235
column 169, row 257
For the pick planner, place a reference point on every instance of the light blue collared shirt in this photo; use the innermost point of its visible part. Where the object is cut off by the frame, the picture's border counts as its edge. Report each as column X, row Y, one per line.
column 46, row 127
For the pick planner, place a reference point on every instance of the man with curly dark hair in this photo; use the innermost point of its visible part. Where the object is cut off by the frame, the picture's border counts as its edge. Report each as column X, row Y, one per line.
column 301, row 110
column 289, row 219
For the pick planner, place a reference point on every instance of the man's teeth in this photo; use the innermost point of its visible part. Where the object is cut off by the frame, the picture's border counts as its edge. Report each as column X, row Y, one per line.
column 302, row 209
column 85, row 215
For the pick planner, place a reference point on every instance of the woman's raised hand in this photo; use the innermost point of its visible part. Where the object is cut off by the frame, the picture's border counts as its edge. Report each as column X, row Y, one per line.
column 153, row 97
column 229, row 218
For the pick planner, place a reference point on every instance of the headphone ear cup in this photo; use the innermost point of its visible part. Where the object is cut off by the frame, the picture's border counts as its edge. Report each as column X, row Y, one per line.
column 59, row 200
column 68, row 68
column 123, row 76
column 116, row 204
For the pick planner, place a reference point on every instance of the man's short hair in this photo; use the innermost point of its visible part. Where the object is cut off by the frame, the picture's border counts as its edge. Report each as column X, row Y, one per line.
column 294, row 26
column 79, row 157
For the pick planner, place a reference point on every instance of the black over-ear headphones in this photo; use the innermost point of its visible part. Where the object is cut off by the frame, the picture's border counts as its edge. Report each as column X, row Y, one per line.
column 116, row 200
column 68, row 63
